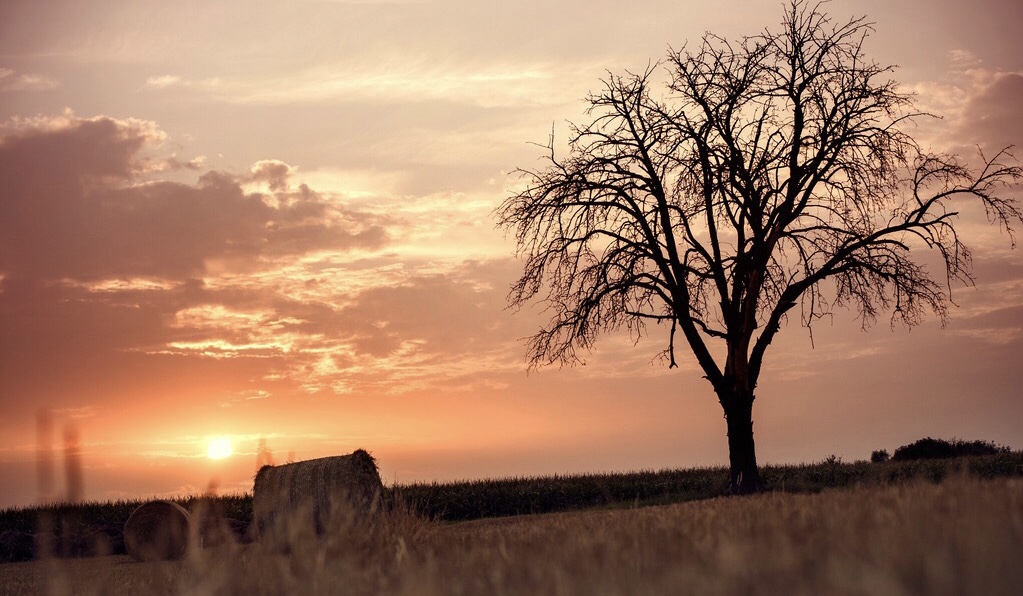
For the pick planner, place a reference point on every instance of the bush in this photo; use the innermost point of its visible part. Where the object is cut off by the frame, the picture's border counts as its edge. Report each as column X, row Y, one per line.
column 879, row 456
column 941, row 449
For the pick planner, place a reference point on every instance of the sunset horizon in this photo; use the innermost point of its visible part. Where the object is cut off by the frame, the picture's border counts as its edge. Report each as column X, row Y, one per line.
column 234, row 235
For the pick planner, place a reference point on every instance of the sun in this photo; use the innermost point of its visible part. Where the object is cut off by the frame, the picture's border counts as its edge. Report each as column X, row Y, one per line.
column 219, row 448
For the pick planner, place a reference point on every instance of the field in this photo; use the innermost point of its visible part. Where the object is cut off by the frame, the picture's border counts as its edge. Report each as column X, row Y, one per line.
column 962, row 535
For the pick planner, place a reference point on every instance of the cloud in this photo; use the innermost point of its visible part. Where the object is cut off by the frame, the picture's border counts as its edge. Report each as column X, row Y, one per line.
column 103, row 266
column 256, row 276
column 273, row 172
column 162, row 82
column 454, row 313
column 993, row 115
column 405, row 80
column 396, row 79
column 12, row 81
column 979, row 106
column 389, row 333
column 78, row 206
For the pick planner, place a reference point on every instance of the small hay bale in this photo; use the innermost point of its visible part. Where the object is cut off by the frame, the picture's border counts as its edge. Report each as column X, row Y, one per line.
column 157, row 531
column 280, row 492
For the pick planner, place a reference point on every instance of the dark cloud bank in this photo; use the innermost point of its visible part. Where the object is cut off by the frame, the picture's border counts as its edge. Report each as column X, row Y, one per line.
column 98, row 257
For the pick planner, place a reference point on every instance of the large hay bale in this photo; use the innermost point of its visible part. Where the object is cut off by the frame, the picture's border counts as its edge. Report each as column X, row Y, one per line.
column 157, row 531
column 315, row 486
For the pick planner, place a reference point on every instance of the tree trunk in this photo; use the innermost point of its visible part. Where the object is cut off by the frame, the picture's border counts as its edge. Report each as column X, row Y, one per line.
column 744, row 475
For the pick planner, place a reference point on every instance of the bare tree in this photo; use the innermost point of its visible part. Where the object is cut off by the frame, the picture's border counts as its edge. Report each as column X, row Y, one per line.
column 767, row 174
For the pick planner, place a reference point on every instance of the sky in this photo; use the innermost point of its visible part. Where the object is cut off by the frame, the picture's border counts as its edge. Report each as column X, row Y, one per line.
column 272, row 223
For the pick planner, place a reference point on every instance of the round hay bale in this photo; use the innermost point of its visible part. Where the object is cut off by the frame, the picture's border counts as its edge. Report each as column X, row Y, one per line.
column 157, row 531
column 350, row 481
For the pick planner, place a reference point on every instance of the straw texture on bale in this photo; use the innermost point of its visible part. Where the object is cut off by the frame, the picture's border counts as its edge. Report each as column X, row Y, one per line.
column 157, row 531
column 347, row 480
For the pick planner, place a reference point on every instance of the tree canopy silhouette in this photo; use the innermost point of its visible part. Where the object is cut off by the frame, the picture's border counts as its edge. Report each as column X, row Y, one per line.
column 736, row 183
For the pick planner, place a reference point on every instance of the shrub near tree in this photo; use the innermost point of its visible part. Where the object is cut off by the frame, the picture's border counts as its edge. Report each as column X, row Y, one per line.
column 736, row 183
column 929, row 448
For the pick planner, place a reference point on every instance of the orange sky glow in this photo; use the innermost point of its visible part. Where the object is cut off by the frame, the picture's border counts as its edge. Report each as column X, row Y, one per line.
column 271, row 223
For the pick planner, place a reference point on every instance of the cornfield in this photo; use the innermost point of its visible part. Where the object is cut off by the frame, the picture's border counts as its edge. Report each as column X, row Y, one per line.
column 962, row 536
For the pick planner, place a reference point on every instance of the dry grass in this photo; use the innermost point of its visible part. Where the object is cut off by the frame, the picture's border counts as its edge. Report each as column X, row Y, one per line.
column 964, row 536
